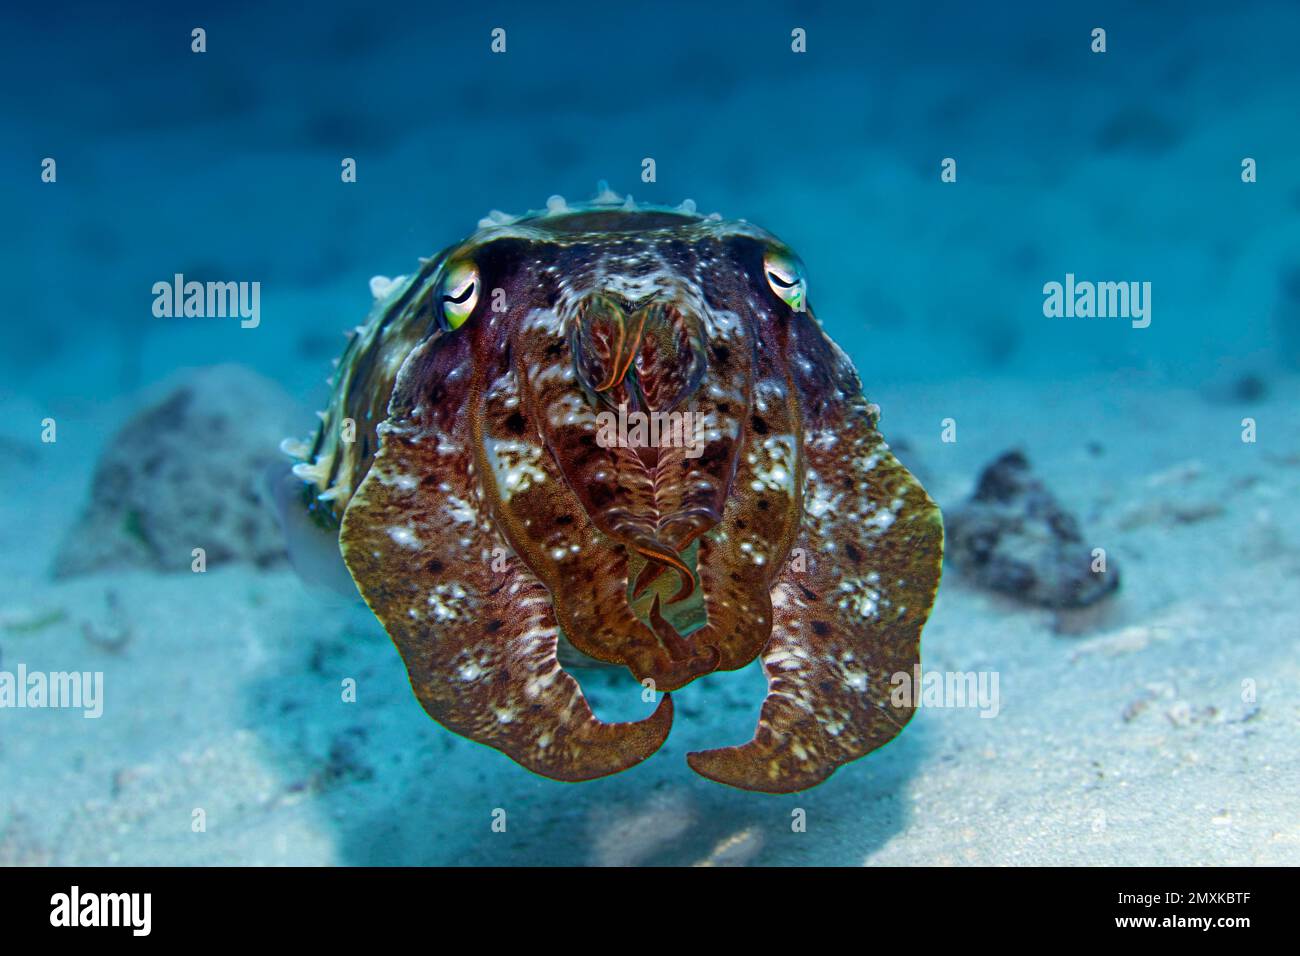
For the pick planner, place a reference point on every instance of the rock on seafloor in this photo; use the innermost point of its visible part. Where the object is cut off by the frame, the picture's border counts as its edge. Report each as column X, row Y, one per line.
column 186, row 472
column 1014, row 537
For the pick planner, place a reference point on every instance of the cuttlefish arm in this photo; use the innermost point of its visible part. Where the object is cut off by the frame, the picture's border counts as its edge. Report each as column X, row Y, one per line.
column 474, row 626
column 849, row 607
column 538, row 511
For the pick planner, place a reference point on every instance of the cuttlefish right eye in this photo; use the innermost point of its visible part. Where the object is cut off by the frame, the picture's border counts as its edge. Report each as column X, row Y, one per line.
column 785, row 277
column 458, row 293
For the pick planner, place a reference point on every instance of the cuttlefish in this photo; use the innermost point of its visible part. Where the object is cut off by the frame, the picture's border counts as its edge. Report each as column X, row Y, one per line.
column 616, row 433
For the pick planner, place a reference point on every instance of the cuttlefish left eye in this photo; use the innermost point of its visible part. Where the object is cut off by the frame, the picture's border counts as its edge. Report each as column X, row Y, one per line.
column 785, row 276
column 458, row 293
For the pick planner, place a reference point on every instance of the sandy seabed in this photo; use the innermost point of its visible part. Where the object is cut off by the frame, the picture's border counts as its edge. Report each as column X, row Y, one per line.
column 1159, row 728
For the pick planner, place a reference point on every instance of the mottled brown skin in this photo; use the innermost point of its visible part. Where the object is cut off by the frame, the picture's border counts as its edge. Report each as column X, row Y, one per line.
column 487, row 520
column 828, row 670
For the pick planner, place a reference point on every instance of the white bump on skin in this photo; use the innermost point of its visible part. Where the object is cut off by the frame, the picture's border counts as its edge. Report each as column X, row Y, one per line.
column 547, row 320
column 404, row 536
column 514, row 465
column 824, row 439
column 569, row 409
column 820, row 503
column 859, row 597
column 401, row 482
column 445, row 601
column 540, row 376
column 778, row 475
column 460, row 511
column 470, row 671
column 880, row 521
column 857, row 680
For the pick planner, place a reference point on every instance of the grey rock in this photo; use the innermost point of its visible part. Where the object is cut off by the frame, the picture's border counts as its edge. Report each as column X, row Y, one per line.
column 187, row 472
column 1014, row 537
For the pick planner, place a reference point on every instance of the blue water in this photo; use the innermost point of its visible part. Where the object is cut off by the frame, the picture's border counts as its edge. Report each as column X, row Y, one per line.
column 225, row 165
column 1118, row 166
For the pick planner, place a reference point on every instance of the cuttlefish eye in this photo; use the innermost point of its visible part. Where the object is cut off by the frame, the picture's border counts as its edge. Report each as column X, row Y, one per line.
column 458, row 293
column 785, row 276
